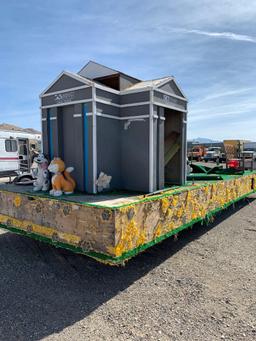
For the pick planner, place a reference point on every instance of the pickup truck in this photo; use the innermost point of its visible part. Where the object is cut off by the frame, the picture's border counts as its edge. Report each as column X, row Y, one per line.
column 214, row 154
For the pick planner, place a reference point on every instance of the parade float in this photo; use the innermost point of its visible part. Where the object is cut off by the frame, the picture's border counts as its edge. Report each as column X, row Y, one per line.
column 125, row 140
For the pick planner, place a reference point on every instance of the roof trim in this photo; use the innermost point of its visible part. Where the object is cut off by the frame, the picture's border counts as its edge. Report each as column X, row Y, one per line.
column 171, row 95
column 175, row 82
column 165, row 81
column 127, row 91
column 71, row 75
column 79, row 78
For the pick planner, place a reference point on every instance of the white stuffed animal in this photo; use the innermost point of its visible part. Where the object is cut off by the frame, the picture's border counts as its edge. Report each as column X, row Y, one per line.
column 103, row 181
column 41, row 173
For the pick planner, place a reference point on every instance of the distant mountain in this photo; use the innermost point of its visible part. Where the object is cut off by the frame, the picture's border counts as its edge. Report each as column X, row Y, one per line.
column 6, row 126
column 203, row 140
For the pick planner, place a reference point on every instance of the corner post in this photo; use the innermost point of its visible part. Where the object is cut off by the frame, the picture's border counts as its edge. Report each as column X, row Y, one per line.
column 151, row 140
column 94, row 137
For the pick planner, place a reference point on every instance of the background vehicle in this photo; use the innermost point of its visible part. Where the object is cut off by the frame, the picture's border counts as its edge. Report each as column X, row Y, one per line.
column 17, row 150
column 9, row 156
column 197, row 153
column 242, row 152
column 214, row 154
column 250, row 147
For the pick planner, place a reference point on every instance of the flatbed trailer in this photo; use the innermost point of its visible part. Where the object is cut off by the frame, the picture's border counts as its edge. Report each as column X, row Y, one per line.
column 114, row 227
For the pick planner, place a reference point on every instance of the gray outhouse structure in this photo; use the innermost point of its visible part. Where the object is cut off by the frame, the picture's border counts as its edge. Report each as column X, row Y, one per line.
column 102, row 120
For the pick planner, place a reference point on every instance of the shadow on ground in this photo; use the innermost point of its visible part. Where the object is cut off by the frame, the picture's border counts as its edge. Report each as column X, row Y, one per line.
column 44, row 290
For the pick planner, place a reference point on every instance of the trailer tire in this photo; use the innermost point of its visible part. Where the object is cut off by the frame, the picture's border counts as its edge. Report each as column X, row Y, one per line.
column 23, row 180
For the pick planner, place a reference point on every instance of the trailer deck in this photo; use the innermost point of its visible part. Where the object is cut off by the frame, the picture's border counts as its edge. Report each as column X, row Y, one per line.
column 114, row 227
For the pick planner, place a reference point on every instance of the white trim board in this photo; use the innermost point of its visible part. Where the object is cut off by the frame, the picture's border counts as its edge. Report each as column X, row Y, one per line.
column 165, row 81
column 94, row 140
column 66, row 90
column 169, row 106
column 70, row 74
column 131, row 91
column 151, row 142
column 140, row 103
column 102, row 101
column 79, row 78
column 134, row 104
column 171, row 95
column 52, row 83
column 159, row 117
column 174, row 81
column 98, row 100
column 66, row 103
column 114, row 104
column 164, row 105
column 121, row 118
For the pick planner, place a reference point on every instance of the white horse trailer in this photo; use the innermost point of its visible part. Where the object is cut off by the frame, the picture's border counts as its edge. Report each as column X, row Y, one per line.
column 9, row 156
column 15, row 151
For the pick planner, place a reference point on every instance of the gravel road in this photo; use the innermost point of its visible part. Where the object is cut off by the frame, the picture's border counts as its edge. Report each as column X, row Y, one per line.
column 198, row 287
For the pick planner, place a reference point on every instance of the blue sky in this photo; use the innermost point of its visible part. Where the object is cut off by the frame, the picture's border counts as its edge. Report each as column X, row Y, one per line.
column 209, row 46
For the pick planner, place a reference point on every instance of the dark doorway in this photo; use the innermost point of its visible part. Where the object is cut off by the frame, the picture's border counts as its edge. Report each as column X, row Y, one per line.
column 71, row 137
column 23, row 147
column 173, row 147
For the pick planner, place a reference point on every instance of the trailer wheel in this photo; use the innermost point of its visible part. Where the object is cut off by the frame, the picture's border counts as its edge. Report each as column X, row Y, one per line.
column 23, row 180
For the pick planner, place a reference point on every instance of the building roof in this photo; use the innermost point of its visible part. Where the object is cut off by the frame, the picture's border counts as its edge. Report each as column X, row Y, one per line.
column 94, row 70
column 150, row 83
column 87, row 75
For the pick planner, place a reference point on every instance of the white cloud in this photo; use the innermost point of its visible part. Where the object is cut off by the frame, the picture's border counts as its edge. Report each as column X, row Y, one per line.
column 220, row 115
column 223, row 35
column 214, row 13
column 224, row 93
column 220, row 112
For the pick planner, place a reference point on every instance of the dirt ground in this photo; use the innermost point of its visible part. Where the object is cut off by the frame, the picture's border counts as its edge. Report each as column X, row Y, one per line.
column 198, row 287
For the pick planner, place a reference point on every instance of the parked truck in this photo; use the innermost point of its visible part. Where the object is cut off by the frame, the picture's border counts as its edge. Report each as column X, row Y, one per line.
column 214, row 154
column 250, row 147
column 197, row 153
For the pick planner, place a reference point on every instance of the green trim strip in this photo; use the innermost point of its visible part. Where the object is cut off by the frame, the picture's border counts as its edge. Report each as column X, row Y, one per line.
column 176, row 191
column 137, row 200
column 131, row 253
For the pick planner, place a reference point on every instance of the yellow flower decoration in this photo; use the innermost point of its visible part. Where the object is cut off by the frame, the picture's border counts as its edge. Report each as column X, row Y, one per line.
column 165, row 204
column 17, row 201
column 175, row 200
